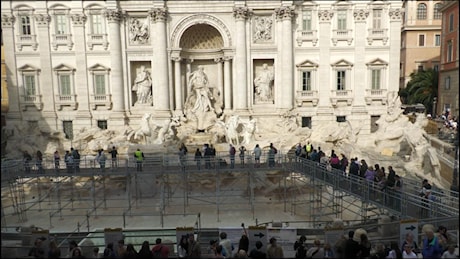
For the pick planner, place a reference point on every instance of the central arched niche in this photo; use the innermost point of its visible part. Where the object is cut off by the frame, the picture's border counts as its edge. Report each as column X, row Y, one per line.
column 201, row 36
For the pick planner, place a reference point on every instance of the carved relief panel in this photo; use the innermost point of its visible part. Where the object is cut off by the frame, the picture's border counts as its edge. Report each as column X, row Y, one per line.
column 139, row 30
column 262, row 28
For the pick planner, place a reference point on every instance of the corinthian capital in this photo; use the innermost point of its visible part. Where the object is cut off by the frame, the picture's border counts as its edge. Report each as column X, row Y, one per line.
column 284, row 12
column 361, row 14
column 158, row 14
column 395, row 14
column 78, row 19
column 113, row 15
column 241, row 13
column 8, row 20
column 42, row 19
column 325, row 15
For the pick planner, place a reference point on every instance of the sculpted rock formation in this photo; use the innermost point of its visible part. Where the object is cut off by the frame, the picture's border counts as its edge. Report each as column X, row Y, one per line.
column 397, row 141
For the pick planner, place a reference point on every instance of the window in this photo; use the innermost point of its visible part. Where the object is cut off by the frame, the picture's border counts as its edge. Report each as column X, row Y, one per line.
column 25, row 25
column 99, row 84
column 421, row 11
column 65, row 86
column 420, row 68
column 377, row 18
column 102, row 124
column 449, row 51
column 29, row 85
column 376, row 79
column 436, row 67
column 306, row 121
column 68, row 129
column 342, row 20
column 421, row 40
column 306, row 20
column 341, row 80
column 61, row 24
column 437, row 14
column 306, row 80
column 97, row 26
column 341, row 119
column 437, row 40
column 447, row 82
column 451, row 22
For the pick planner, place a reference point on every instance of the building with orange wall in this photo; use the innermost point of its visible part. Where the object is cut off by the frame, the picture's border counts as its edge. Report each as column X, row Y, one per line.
column 420, row 37
column 448, row 74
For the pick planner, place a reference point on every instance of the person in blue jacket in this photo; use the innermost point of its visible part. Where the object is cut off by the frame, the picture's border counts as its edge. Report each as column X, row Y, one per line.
column 431, row 248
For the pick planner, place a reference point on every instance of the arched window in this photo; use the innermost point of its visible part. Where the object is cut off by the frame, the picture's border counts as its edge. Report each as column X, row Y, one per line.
column 421, row 11
column 437, row 14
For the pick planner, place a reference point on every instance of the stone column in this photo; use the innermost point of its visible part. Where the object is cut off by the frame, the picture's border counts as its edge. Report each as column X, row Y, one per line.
column 81, row 75
column 177, row 83
column 160, row 62
column 46, row 81
column 227, row 84
column 188, row 65
column 285, row 14
column 114, row 18
column 394, row 36
column 9, row 53
column 360, row 69
column 240, row 94
column 324, row 71
column 220, row 78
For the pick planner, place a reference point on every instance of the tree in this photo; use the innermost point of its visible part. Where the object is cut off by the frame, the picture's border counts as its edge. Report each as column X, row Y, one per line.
column 422, row 88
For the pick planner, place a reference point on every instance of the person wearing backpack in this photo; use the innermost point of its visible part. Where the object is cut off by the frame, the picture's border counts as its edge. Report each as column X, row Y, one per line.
column 300, row 247
column 160, row 251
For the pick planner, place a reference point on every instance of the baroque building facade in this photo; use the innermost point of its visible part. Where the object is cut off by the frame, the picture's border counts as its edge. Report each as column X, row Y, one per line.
column 77, row 64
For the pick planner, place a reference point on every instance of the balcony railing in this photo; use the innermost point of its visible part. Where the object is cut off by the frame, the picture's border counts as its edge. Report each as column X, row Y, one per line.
column 376, row 95
column 307, row 96
column 307, row 36
column 377, row 34
column 31, row 101
column 101, row 100
column 342, row 35
column 341, row 96
column 27, row 40
column 97, row 39
column 62, row 39
column 66, row 100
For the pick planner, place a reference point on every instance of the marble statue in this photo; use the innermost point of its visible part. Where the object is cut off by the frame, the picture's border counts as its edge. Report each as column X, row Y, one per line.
column 199, row 84
column 139, row 33
column 143, row 86
column 249, row 130
column 264, row 84
column 143, row 132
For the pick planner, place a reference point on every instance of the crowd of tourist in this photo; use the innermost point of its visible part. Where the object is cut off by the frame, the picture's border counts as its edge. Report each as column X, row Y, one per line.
column 354, row 245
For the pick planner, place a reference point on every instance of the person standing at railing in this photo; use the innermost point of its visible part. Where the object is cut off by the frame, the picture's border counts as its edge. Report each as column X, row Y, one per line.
column 271, row 155
column 101, row 158
column 139, row 156
column 257, row 153
column 57, row 158
column 198, row 156
column 39, row 162
column 114, row 154
column 242, row 150
column 232, row 152
column 68, row 158
column 27, row 159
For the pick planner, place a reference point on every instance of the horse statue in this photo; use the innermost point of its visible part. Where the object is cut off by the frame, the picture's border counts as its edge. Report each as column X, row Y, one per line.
column 143, row 132
column 231, row 130
column 167, row 130
column 249, row 130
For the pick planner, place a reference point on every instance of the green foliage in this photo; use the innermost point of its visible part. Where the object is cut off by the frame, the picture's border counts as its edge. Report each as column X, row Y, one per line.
column 422, row 88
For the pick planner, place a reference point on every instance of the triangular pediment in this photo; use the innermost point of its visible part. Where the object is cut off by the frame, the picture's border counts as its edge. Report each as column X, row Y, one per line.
column 377, row 62
column 342, row 63
column 98, row 66
column 28, row 67
column 307, row 63
column 63, row 67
